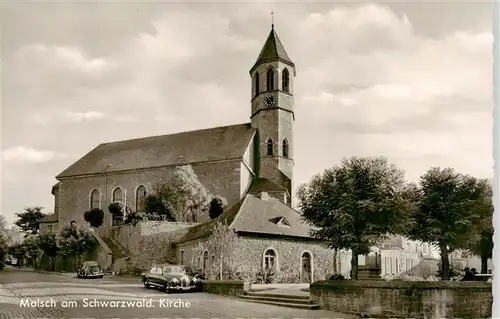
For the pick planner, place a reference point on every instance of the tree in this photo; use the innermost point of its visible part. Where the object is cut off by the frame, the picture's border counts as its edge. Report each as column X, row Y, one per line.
column 481, row 238
column 3, row 241
column 95, row 217
column 75, row 242
column 355, row 205
column 31, row 247
column 48, row 244
column 29, row 220
column 18, row 251
column 222, row 243
column 3, row 250
column 183, row 194
column 153, row 204
column 217, row 205
column 447, row 208
column 118, row 212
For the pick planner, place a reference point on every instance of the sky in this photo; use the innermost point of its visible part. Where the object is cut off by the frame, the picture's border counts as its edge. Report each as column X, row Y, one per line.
column 409, row 81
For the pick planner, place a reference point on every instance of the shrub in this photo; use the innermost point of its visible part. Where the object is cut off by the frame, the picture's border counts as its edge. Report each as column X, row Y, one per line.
column 406, row 277
column 216, row 207
column 336, row 277
column 94, row 217
column 264, row 277
column 454, row 271
column 133, row 218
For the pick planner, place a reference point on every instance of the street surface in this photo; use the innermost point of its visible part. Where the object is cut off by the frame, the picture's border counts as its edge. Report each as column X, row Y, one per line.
column 28, row 294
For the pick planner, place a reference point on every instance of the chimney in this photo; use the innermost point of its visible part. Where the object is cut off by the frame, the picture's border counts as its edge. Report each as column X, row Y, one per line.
column 264, row 195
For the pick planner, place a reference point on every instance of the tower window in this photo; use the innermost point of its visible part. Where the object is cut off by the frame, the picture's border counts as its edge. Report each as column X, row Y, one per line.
column 285, row 148
column 270, row 79
column 285, row 79
column 256, row 83
column 269, row 147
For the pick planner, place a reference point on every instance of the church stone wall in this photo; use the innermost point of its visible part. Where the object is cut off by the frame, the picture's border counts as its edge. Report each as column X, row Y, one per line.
column 221, row 178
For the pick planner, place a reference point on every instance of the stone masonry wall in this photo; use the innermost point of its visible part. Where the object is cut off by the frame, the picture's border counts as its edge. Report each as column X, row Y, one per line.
column 222, row 178
column 289, row 257
column 405, row 299
column 148, row 243
column 248, row 258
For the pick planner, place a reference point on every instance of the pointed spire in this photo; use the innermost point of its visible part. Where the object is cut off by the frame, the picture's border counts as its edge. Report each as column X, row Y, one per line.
column 273, row 50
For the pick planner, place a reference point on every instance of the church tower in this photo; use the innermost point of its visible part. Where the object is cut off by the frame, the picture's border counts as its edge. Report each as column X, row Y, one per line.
column 272, row 113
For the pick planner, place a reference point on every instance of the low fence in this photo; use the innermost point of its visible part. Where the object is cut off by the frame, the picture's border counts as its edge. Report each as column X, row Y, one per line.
column 405, row 299
column 223, row 287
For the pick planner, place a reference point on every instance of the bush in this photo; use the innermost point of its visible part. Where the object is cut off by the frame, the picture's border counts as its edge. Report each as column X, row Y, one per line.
column 94, row 217
column 406, row 277
column 264, row 277
column 216, row 207
column 336, row 277
column 455, row 271
column 116, row 210
column 134, row 218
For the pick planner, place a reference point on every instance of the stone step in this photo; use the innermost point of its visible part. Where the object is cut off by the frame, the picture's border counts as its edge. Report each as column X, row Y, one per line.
column 283, row 304
column 302, row 297
column 285, row 299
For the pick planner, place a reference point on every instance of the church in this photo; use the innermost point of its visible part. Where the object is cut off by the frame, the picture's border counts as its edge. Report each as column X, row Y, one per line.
column 249, row 164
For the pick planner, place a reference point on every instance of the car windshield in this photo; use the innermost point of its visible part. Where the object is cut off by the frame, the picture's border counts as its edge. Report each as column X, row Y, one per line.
column 175, row 270
column 94, row 269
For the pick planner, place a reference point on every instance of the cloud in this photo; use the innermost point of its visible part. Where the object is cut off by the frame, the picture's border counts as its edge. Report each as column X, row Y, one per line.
column 86, row 116
column 31, row 155
column 369, row 81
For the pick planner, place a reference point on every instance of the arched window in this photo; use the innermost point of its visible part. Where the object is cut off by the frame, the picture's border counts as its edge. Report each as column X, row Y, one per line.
column 95, row 199
column 118, row 195
column 270, row 259
column 205, row 261
column 285, row 79
column 306, row 269
column 140, row 196
column 269, row 147
column 285, row 148
column 270, row 79
column 256, row 83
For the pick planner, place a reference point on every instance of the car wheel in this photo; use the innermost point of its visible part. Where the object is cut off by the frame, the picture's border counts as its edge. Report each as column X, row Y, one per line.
column 166, row 288
column 146, row 284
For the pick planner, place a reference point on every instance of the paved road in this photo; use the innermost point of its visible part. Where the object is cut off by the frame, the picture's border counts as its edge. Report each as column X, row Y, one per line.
column 67, row 297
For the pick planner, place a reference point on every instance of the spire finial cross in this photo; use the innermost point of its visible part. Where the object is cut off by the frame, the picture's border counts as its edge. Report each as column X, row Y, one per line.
column 272, row 19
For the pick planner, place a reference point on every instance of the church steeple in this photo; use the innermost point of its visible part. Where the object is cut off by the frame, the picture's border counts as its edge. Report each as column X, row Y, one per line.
column 272, row 113
column 272, row 50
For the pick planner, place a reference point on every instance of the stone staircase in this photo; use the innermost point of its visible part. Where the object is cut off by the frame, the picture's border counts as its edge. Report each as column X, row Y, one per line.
column 284, row 300
column 118, row 250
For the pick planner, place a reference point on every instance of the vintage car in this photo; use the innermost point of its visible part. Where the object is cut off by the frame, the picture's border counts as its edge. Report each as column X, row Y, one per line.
column 171, row 278
column 90, row 269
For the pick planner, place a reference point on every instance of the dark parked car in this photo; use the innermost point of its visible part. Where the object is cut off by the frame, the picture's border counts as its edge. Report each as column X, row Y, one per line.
column 170, row 278
column 90, row 269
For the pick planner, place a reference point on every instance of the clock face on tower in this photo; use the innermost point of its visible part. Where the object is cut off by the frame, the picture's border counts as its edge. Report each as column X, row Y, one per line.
column 270, row 101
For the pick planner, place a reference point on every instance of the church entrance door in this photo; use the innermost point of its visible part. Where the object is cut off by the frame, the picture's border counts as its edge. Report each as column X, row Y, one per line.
column 306, row 269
